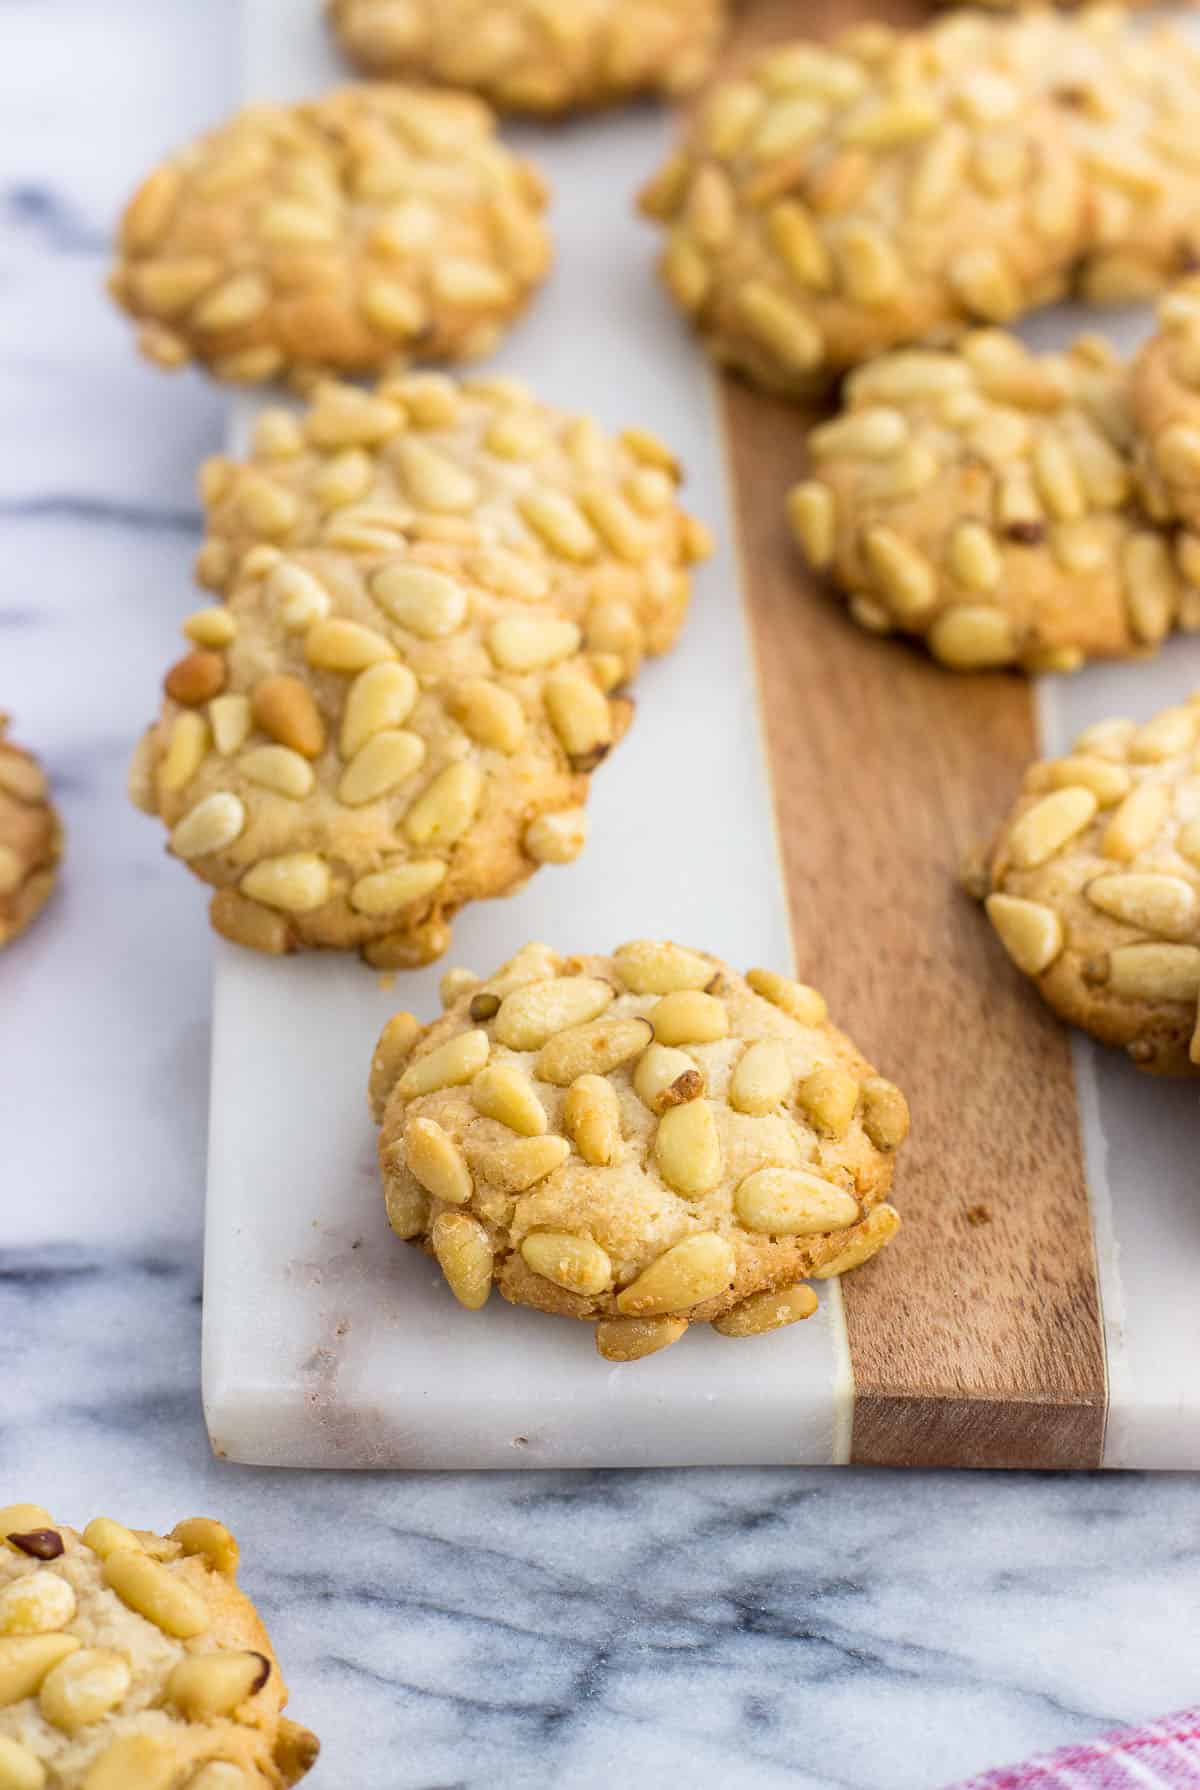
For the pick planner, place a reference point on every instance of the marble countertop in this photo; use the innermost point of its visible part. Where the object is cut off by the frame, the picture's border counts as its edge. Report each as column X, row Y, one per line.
column 824, row 1628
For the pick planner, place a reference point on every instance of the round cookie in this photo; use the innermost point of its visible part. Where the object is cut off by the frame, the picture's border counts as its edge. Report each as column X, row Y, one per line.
column 513, row 492
column 527, row 56
column 129, row 1659
column 354, row 747
column 1093, row 885
column 374, row 227
column 831, row 203
column 642, row 1141
column 1165, row 385
column 985, row 501
column 30, row 838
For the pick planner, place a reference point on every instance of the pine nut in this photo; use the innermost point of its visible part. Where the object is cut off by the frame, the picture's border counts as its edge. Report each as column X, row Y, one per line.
column 870, row 268
column 149, row 211
column 665, row 1078
column 185, row 753
column 1050, row 824
column 632, row 1339
column 211, row 1540
column 280, row 769
column 687, row 1147
column 560, row 524
column 973, row 637
column 448, row 806
column 648, row 966
column 532, row 1014
column 195, row 678
column 205, row 1686
column 592, row 1119
column 762, row 1079
column 828, row 1097
column 1171, row 732
column 83, row 1687
column 388, row 759
column 974, row 557
column 1137, row 821
column 286, row 709
column 557, row 838
column 392, row 1051
column 25, row 1661
column 517, row 1166
column 879, row 1227
column 214, row 823
column 210, row 627
column 434, row 481
column 532, row 643
column 504, row 1093
column 768, row 1311
column 780, row 326
column 1107, row 782
column 229, row 718
column 406, row 1203
column 270, row 509
column 1155, row 972
column 1151, row 594
column 576, row 1263
column 1031, row 933
column 436, row 1161
column 796, row 998
column 36, row 1605
column 105, row 1537
column 300, row 598
column 580, row 716
column 699, row 1268
column 19, row 1768
column 423, row 600
column 1188, row 842
column 490, row 714
column 20, row 1519
column 382, row 696
column 338, row 645
column 295, row 883
column 786, row 1202
column 464, row 1255
column 238, row 302
column 596, row 1049
column 387, row 891
column 813, row 518
column 689, row 1017
column 1154, row 903
column 135, row 1762
column 393, row 307
column 509, row 574
column 162, row 1597
column 457, row 1061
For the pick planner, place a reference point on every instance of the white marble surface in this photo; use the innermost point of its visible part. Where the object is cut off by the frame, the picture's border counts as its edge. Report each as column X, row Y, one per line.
column 760, row 1629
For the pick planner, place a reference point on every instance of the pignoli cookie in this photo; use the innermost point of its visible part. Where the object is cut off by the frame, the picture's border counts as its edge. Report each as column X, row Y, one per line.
column 1166, row 411
column 831, row 203
column 984, row 500
column 30, row 838
column 355, row 746
column 132, row 1661
column 375, row 227
column 1093, row 885
column 524, row 499
column 538, row 56
column 642, row 1141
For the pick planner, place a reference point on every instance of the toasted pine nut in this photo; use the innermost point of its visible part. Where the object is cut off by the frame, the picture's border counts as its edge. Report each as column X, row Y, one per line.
column 787, row 1202
column 576, row 1263
column 464, row 1255
column 592, row 1119
column 768, row 1311
column 829, row 1096
column 687, row 1147
column 699, row 1268
column 689, row 1017
column 647, row 966
column 631, row 1339
column 205, row 1686
column 796, row 998
column 210, row 1539
column 596, row 1048
column 295, row 883
column 36, row 1605
column 457, row 1061
column 83, row 1687
column 159, row 1595
column 762, row 1079
column 532, row 1014
column 879, row 1227
column 504, row 1093
column 25, row 1661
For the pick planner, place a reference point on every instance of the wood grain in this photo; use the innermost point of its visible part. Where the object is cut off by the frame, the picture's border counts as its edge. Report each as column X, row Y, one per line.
column 976, row 1337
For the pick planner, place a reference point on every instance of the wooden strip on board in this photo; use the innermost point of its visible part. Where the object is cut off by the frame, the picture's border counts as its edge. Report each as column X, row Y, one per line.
column 975, row 1338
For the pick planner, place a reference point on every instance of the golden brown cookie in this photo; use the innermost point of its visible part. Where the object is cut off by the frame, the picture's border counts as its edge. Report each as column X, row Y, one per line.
column 30, row 838
column 1093, row 884
column 374, row 227
column 984, row 499
column 830, row 203
column 514, row 494
column 540, row 56
column 132, row 1661
column 357, row 745
column 1166, row 410
column 642, row 1141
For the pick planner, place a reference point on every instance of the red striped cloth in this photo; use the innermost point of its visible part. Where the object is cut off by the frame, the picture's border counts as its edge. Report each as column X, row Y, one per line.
column 1164, row 1755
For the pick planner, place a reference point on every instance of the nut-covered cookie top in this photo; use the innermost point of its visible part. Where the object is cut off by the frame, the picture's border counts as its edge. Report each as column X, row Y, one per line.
column 984, row 498
column 1166, row 407
column 30, row 837
column 1093, row 884
column 132, row 1661
column 524, row 498
column 537, row 56
column 830, row 203
column 643, row 1141
column 376, row 226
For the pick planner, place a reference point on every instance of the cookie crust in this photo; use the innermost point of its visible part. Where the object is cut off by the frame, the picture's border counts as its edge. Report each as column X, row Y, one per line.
column 375, row 227
column 525, row 56
column 641, row 1141
column 30, row 838
column 128, row 1657
column 1093, row 885
column 1166, row 408
column 986, row 500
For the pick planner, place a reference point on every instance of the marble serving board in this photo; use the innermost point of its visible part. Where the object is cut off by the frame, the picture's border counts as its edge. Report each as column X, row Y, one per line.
column 794, row 793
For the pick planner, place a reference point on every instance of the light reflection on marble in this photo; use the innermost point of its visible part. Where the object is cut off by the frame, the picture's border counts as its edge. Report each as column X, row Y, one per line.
column 756, row 1629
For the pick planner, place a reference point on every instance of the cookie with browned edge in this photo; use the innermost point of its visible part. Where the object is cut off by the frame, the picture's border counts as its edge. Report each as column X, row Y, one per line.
column 30, row 838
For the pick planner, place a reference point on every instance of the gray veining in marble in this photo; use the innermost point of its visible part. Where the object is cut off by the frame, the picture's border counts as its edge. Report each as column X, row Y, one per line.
column 756, row 1629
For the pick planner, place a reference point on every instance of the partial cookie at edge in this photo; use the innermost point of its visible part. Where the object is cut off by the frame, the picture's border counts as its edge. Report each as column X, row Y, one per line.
column 30, row 838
